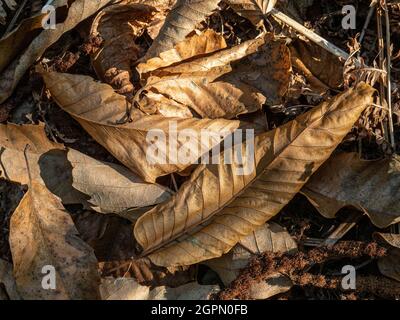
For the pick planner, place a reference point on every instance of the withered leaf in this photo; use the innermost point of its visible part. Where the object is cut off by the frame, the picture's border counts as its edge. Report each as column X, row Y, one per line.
column 163, row 7
column 217, row 206
column 123, row 289
column 119, row 26
column 270, row 237
column 100, row 110
column 148, row 274
column 43, row 237
column 71, row 175
column 78, row 11
column 180, row 21
column 223, row 84
column 346, row 180
column 190, row 291
column 14, row 42
column 322, row 69
column 129, row 289
column 197, row 44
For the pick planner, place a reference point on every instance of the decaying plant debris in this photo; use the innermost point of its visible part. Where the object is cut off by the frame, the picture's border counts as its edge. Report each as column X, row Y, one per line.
column 79, row 194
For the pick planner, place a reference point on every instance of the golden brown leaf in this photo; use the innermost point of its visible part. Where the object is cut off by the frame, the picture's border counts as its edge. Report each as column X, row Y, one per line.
column 198, row 44
column 42, row 234
column 180, row 21
column 100, row 110
column 223, row 84
column 216, row 207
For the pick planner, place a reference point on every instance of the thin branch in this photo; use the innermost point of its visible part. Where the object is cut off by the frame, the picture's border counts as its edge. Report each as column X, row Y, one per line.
column 389, row 82
column 367, row 21
column 317, row 39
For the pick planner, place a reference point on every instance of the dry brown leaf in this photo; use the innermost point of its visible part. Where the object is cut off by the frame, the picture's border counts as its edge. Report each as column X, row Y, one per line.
column 198, row 44
column 180, row 21
column 322, row 69
column 79, row 11
column 345, row 180
column 42, row 233
column 129, row 289
column 99, row 110
column 71, row 175
column 223, row 207
column 148, row 274
column 123, row 289
column 223, row 84
column 7, row 281
column 163, row 7
column 389, row 265
column 119, row 26
column 270, row 237
column 14, row 42
column 190, row 291
column 253, row 10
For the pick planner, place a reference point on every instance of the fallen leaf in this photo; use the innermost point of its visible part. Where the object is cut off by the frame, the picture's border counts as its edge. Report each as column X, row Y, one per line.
column 163, row 7
column 123, row 289
column 78, row 11
column 197, row 44
column 222, row 84
column 129, row 289
column 180, row 21
column 270, row 237
column 119, row 26
column 71, row 175
column 18, row 39
column 345, row 180
column 100, row 110
column 42, row 234
column 8, row 281
column 190, row 291
column 322, row 69
column 389, row 265
column 148, row 274
column 223, row 206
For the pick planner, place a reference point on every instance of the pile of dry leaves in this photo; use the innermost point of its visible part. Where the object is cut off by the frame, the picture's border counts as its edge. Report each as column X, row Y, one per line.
column 80, row 102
